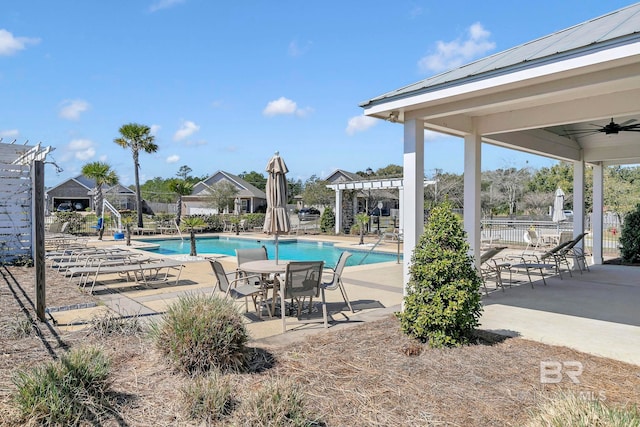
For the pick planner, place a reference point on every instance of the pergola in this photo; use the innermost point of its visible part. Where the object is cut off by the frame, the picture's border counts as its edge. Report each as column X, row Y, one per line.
column 376, row 184
column 529, row 98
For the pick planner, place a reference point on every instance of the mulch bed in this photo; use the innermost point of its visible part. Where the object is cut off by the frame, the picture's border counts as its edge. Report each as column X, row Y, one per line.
column 366, row 375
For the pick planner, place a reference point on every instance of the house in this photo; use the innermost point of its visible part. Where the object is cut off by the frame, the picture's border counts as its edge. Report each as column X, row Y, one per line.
column 251, row 199
column 78, row 193
column 539, row 98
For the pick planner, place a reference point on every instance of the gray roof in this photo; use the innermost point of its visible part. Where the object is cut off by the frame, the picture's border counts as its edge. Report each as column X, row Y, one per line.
column 615, row 28
column 245, row 189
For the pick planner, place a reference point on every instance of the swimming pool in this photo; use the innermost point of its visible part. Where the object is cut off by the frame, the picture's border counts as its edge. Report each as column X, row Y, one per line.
column 287, row 249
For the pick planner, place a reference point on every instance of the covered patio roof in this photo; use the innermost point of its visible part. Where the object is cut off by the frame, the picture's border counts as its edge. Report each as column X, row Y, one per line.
column 530, row 98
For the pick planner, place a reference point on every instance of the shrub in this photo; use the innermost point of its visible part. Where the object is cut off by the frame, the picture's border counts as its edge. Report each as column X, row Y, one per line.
column 278, row 403
column 327, row 220
column 208, row 399
column 110, row 325
column 573, row 410
column 66, row 391
column 75, row 220
column 442, row 306
column 630, row 237
column 201, row 333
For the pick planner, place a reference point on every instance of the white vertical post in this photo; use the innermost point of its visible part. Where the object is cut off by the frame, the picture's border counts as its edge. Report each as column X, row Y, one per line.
column 413, row 184
column 472, row 176
column 596, row 216
column 338, row 211
column 578, row 203
column 401, row 213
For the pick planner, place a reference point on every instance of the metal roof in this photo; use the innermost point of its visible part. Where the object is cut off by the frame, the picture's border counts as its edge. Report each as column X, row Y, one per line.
column 618, row 27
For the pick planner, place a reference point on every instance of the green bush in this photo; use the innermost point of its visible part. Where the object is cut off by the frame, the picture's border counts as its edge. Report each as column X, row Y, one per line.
column 75, row 220
column 278, row 403
column 327, row 220
column 208, row 399
column 202, row 333
column 442, row 306
column 65, row 392
column 630, row 237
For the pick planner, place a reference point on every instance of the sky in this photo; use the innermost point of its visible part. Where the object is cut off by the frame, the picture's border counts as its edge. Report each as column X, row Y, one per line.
column 224, row 85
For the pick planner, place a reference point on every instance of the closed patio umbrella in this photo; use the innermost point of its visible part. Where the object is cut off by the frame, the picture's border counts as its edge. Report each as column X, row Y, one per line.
column 276, row 220
column 558, row 206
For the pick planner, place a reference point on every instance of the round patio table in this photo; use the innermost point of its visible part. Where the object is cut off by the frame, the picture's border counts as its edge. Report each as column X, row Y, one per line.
column 267, row 266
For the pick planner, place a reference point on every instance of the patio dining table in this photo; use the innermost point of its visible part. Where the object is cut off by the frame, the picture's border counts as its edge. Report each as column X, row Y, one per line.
column 266, row 267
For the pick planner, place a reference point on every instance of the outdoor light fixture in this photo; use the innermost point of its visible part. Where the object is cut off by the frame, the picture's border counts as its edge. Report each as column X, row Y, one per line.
column 393, row 116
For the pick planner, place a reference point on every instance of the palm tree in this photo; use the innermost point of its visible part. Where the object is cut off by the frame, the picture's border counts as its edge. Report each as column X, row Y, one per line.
column 190, row 224
column 102, row 174
column 137, row 137
column 182, row 188
column 362, row 219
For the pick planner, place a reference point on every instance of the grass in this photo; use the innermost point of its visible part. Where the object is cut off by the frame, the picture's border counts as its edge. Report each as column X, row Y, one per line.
column 370, row 374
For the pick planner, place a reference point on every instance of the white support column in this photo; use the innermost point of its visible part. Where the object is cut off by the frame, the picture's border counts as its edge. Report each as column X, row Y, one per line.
column 338, row 211
column 578, row 201
column 413, row 185
column 596, row 216
column 401, row 213
column 472, row 179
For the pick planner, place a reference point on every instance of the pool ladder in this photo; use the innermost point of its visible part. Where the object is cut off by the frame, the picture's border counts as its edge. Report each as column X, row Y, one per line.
column 382, row 236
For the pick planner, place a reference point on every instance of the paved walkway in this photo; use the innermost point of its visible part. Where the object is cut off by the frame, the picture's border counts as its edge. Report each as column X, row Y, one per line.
column 594, row 312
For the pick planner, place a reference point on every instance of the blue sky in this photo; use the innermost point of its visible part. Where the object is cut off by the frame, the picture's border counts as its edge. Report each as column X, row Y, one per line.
column 224, row 85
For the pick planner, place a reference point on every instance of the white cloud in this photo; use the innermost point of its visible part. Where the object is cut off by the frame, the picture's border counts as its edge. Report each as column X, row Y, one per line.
column 360, row 124
column 72, row 108
column 296, row 49
column 284, row 106
column 187, row 129
column 173, row 159
column 9, row 133
column 154, row 129
column 164, row 4
column 455, row 53
column 82, row 149
column 10, row 44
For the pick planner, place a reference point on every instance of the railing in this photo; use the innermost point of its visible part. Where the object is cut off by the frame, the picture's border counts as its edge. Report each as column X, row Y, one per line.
column 512, row 231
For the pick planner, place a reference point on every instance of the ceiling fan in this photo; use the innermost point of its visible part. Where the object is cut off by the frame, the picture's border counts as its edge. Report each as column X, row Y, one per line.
column 611, row 128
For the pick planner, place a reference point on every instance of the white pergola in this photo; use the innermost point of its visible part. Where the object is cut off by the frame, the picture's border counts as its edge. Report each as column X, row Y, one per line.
column 528, row 98
column 378, row 184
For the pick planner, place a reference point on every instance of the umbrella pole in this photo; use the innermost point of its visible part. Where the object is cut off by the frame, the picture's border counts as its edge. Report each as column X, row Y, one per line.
column 276, row 248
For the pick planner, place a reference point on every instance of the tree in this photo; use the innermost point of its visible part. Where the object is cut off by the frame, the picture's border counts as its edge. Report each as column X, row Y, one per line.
column 256, row 179
column 327, row 220
column 182, row 188
column 184, row 172
column 102, row 174
column 137, row 137
column 221, row 195
column 362, row 219
column 190, row 224
column 390, row 170
column 442, row 305
column 316, row 192
column 447, row 185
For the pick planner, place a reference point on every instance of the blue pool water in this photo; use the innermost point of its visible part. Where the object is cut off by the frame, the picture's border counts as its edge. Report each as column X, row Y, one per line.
column 287, row 249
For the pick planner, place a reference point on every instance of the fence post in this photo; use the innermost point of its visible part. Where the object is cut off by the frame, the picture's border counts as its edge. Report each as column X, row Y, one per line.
column 37, row 189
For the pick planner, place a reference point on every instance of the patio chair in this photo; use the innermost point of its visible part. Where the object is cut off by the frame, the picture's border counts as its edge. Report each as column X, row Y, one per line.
column 303, row 279
column 336, row 278
column 99, row 225
column 542, row 262
column 236, row 290
column 532, row 239
column 227, row 226
column 247, row 255
column 490, row 268
column 242, row 225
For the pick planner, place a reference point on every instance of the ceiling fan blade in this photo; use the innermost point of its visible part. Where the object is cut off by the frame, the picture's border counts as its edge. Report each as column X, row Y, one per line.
column 628, row 122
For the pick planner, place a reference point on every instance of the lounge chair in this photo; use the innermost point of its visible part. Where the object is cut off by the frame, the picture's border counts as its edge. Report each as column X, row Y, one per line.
column 541, row 262
column 490, row 268
column 336, row 278
column 233, row 288
column 302, row 280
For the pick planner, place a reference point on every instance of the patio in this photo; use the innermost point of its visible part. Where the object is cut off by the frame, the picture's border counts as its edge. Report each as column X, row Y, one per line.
column 593, row 312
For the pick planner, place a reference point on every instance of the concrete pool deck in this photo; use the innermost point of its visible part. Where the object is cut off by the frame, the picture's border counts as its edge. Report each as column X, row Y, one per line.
column 593, row 312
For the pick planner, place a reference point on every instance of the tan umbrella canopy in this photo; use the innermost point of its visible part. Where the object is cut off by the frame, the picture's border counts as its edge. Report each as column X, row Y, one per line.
column 276, row 220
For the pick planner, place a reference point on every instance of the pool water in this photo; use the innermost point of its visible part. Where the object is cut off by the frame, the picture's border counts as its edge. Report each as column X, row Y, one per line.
column 287, row 249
